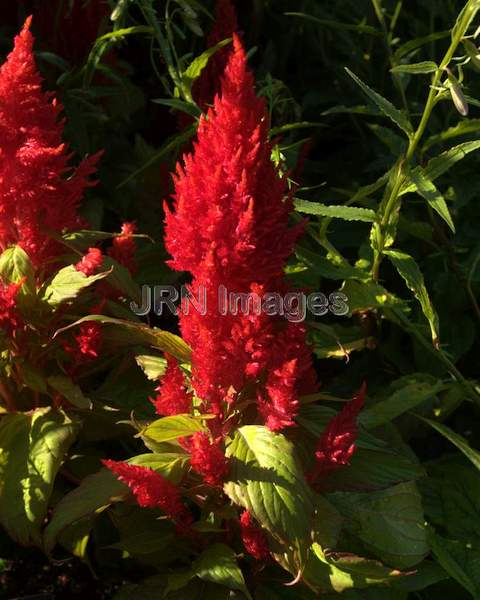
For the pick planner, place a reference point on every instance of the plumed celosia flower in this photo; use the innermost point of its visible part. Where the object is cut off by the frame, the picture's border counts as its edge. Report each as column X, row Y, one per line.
column 91, row 262
column 208, row 84
column 124, row 247
column 208, row 458
column 337, row 444
column 253, row 538
column 229, row 227
column 88, row 343
column 9, row 317
column 39, row 192
column 173, row 398
column 152, row 490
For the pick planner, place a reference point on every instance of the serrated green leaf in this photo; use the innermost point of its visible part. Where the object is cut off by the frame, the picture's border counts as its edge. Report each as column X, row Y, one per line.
column 399, row 402
column 347, row 213
column 389, row 522
column 442, row 163
column 460, row 560
column 69, row 390
column 32, row 449
column 68, row 283
column 420, row 68
column 266, row 479
column 171, row 428
column 410, row 272
column 427, row 190
column 218, row 564
column 384, row 105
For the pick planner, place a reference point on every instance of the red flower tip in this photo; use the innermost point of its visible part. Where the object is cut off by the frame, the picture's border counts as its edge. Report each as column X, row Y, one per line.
column 253, row 538
column 208, row 458
column 91, row 262
column 124, row 247
column 152, row 490
column 173, row 397
column 39, row 191
column 337, row 444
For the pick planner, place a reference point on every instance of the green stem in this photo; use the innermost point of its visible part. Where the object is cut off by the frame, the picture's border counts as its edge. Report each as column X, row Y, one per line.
column 459, row 31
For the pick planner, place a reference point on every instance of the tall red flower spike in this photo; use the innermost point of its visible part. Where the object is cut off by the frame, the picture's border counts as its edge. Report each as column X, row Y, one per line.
column 151, row 490
column 229, row 227
column 39, row 192
column 253, row 538
column 337, row 444
column 173, row 397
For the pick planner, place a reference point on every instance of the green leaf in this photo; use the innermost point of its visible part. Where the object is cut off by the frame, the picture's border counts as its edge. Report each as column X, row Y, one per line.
column 427, row 190
column 365, row 296
column 177, row 104
column 196, row 67
column 410, row 272
column 389, row 522
column 171, row 428
column 459, row 441
column 95, row 493
column 69, row 390
column 412, row 45
column 399, row 402
column 464, row 127
column 32, row 449
column 419, row 68
column 153, row 366
column 15, row 266
column 267, row 480
column 442, row 163
column 67, row 284
column 342, row 571
column 460, row 560
column 136, row 333
column 327, row 268
column 218, row 564
column 347, row 213
column 384, row 105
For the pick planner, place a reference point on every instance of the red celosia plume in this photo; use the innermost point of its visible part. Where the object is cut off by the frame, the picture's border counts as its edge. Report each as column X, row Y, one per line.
column 152, row 490
column 229, row 227
column 253, row 538
column 173, row 397
column 337, row 444
column 39, row 191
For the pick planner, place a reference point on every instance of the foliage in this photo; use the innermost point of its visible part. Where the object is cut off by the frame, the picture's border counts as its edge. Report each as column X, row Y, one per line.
column 370, row 119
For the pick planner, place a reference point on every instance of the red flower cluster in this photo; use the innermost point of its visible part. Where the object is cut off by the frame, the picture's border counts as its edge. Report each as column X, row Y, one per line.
column 9, row 318
column 337, row 444
column 91, row 262
column 230, row 227
column 208, row 458
column 151, row 490
column 39, row 192
column 124, row 247
column 253, row 537
column 173, row 397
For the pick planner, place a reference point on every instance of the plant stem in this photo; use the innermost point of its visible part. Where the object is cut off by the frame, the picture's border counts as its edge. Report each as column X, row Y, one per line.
column 458, row 32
